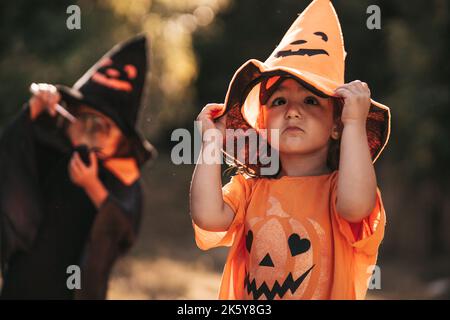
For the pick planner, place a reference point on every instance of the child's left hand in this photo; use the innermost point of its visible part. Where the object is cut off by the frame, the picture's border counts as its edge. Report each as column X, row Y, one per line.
column 81, row 174
column 356, row 96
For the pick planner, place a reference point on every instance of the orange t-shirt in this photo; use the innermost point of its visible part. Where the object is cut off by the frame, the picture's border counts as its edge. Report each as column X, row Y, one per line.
column 288, row 241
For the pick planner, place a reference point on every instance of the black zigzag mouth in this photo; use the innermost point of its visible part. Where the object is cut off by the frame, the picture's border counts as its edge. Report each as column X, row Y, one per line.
column 277, row 289
column 300, row 52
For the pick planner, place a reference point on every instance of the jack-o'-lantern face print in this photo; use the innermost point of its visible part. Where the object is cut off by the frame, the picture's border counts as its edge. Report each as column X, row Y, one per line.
column 118, row 78
column 281, row 256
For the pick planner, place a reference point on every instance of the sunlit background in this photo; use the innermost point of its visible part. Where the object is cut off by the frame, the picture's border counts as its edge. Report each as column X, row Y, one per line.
column 196, row 47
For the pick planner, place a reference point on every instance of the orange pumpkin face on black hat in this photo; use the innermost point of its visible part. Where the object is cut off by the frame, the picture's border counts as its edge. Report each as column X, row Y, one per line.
column 312, row 51
column 115, row 76
column 115, row 87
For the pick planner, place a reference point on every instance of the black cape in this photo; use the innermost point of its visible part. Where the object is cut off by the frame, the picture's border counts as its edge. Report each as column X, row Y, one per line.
column 47, row 223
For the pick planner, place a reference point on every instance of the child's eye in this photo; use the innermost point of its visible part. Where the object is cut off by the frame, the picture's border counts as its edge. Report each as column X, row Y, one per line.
column 311, row 100
column 278, row 101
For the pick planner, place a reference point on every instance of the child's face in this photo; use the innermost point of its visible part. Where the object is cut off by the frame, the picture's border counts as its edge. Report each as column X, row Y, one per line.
column 305, row 121
column 95, row 130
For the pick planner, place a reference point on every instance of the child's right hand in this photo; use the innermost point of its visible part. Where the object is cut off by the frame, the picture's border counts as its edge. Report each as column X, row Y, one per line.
column 45, row 97
column 208, row 209
column 207, row 115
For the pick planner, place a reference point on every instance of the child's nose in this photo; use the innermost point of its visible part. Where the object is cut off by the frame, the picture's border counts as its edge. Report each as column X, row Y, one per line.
column 294, row 111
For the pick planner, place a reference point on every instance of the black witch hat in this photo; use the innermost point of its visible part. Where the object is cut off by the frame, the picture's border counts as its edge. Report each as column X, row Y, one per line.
column 115, row 86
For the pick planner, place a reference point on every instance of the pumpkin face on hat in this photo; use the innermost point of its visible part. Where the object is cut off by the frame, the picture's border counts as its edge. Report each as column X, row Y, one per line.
column 304, row 51
column 313, row 44
column 115, row 76
column 115, row 87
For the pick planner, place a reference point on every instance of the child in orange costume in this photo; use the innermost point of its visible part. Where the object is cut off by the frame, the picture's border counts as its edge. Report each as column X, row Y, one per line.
column 312, row 230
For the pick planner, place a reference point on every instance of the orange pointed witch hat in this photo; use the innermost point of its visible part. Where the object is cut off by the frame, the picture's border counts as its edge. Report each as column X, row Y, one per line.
column 312, row 51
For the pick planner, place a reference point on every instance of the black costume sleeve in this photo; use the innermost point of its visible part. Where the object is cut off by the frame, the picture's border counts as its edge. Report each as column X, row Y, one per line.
column 20, row 201
column 113, row 232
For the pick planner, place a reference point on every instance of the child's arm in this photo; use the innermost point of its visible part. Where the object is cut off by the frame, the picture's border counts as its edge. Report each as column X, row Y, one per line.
column 357, row 186
column 87, row 178
column 208, row 210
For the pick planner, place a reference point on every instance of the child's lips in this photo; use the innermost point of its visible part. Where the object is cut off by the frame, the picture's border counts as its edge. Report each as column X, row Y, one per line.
column 293, row 129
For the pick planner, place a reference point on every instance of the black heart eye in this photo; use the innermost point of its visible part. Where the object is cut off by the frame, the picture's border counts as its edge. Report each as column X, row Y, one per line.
column 249, row 240
column 298, row 245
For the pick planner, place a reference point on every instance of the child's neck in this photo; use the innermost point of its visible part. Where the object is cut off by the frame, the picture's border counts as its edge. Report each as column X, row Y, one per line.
column 298, row 165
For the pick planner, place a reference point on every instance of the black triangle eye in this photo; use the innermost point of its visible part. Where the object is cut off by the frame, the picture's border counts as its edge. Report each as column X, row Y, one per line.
column 266, row 261
column 249, row 240
column 298, row 245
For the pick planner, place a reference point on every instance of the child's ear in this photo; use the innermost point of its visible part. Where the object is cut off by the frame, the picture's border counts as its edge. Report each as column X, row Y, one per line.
column 336, row 130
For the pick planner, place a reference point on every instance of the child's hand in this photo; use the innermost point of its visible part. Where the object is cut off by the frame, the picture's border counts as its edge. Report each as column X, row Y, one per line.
column 44, row 98
column 82, row 175
column 356, row 96
column 206, row 117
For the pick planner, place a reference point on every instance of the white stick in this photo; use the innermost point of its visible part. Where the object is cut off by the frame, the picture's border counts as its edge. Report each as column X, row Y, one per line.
column 34, row 89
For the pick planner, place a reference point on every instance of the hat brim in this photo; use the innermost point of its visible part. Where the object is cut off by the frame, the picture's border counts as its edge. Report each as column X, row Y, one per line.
column 142, row 149
column 378, row 120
